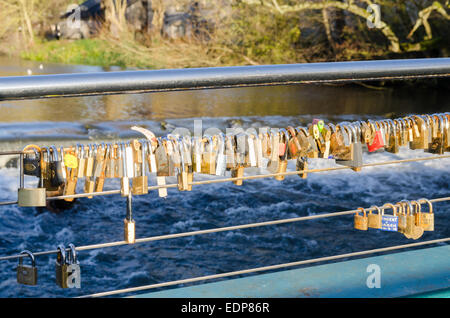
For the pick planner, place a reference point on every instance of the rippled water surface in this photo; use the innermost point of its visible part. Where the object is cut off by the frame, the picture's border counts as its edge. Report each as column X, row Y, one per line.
column 98, row 220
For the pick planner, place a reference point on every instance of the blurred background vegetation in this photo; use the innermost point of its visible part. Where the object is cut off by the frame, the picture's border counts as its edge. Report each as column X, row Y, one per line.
column 238, row 32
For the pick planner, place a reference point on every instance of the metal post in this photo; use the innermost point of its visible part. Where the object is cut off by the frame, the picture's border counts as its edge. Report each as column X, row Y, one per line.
column 21, row 182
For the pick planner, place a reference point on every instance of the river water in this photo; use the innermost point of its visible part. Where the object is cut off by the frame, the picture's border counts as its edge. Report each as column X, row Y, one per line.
column 65, row 121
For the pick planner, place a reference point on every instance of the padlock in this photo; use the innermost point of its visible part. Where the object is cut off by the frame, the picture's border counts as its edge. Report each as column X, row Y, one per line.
column 437, row 142
column 89, row 181
column 401, row 213
column 221, row 162
column 61, row 267
column 282, row 166
column 294, row 144
column 355, row 150
column 71, row 175
column 394, row 144
column 305, row 147
column 302, row 165
column 375, row 220
column 377, row 141
column 81, row 161
column 89, row 162
column 31, row 197
column 124, row 181
column 27, row 275
column 361, row 222
column 274, row 162
column 73, row 268
column 162, row 159
column 183, row 172
column 56, row 169
column 338, row 148
column 411, row 230
column 129, row 224
column 32, row 166
column 389, row 222
column 139, row 184
column 423, row 219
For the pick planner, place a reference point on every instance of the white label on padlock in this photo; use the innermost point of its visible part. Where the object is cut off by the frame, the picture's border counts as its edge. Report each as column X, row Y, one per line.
column 130, row 162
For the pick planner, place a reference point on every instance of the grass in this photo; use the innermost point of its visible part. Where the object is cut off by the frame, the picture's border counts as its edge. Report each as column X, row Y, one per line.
column 86, row 51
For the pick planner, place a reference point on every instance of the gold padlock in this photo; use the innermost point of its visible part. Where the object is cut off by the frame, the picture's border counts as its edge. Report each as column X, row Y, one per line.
column 361, row 221
column 412, row 231
column 423, row 219
column 374, row 220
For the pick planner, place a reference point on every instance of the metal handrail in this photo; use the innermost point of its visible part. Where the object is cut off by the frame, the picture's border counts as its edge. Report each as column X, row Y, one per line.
column 84, row 84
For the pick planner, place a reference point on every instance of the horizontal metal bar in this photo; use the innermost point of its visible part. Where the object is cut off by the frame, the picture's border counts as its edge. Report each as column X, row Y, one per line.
column 265, row 268
column 40, row 86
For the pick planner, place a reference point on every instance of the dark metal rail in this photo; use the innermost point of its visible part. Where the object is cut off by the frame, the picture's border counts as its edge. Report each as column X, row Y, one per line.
column 45, row 86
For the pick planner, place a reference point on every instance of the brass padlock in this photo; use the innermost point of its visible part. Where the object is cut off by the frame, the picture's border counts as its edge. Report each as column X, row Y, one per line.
column 411, row 230
column 420, row 140
column 282, row 165
column 423, row 219
column 361, row 222
column 401, row 213
column 27, row 275
column 139, row 184
column 375, row 220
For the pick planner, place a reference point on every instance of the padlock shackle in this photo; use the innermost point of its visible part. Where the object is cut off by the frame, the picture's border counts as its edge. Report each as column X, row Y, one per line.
column 391, row 206
column 362, row 210
column 72, row 256
column 408, row 205
column 30, row 255
column 61, row 255
column 380, row 212
column 430, row 205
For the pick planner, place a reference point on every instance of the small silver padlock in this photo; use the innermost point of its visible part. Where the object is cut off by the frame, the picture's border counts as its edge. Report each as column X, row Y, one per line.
column 30, row 197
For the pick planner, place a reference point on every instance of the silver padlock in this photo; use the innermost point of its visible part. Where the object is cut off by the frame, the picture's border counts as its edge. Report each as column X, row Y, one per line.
column 30, row 197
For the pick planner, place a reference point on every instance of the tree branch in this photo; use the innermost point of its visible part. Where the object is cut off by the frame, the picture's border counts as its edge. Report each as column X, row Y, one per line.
column 349, row 6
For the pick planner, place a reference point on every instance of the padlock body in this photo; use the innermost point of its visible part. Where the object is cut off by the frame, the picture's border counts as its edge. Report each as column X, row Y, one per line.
column 129, row 231
column 425, row 221
column 389, row 223
column 361, row 222
column 61, row 275
column 139, row 185
column 32, row 197
column 374, row 220
column 27, row 275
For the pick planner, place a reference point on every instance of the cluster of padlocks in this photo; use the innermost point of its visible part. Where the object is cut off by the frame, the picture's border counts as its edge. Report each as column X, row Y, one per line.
column 67, row 269
column 407, row 218
column 60, row 169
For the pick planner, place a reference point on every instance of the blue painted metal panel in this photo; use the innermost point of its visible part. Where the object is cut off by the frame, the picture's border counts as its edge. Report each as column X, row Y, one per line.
column 402, row 274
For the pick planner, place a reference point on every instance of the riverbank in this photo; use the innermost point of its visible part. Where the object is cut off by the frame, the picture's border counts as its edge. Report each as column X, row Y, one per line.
column 251, row 34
